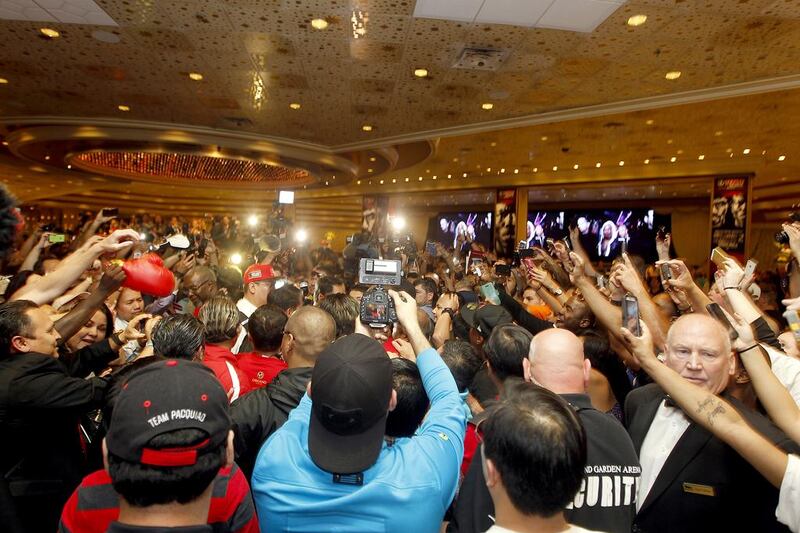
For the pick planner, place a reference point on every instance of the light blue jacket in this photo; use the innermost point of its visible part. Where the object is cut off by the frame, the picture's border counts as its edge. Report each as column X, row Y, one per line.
column 407, row 490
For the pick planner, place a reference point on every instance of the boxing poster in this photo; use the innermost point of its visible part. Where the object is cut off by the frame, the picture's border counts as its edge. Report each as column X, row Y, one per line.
column 375, row 215
column 505, row 222
column 729, row 214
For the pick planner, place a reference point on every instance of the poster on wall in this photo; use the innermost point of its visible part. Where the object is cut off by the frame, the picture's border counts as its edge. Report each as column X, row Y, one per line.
column 505, row 222
column 375, row 215
column 729, row 215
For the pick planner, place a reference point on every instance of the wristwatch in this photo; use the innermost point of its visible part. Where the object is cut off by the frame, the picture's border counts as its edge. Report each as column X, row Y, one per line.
column 115, row 337
column 449, row 311
column 558, row 291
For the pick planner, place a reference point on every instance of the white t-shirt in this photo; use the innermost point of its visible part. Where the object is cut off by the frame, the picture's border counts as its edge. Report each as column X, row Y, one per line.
column 788, row 511
column 571, row 529
column 787, row 370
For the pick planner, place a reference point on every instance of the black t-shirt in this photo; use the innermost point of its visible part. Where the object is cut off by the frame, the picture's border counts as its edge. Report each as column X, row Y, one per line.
column 606, row 500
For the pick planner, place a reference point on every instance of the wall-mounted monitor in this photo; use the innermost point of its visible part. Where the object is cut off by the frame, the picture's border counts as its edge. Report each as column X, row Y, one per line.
column 475, row 225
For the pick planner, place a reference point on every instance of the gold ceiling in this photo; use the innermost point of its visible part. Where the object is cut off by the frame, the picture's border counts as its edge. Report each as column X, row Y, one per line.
column 257, row 57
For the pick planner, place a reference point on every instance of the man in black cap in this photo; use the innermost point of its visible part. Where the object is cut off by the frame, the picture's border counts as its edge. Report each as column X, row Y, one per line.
column 481, row 321
column 169, row 436
column 341, row 474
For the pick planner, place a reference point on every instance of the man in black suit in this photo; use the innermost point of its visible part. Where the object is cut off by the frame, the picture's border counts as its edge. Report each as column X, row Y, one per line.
column 692, row 481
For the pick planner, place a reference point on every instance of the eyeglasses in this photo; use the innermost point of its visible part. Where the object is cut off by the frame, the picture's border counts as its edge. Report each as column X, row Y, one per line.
column 196, row 288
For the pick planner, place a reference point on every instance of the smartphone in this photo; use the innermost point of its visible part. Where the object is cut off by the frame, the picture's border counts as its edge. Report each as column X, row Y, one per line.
column 348, row 239
column 601, row 282
column 502, row 270
column 430, row 248
column 750, row 267
column 630, row 314
column 304, row 287
column 666, row 273
column 526, row 253
column 623, row 246
column 56, row 237
column 718, row 256
column 567, row 243
column 110, row 211
column 794, row 323
column 490, row 294
column 661, row 234
column 716, row 311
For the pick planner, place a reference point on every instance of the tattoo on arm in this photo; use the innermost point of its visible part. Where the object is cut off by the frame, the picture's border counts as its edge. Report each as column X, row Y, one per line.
column 712, row 408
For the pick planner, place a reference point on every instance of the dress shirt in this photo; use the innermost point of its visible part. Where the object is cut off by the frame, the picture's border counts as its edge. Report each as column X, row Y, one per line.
column 788, row 512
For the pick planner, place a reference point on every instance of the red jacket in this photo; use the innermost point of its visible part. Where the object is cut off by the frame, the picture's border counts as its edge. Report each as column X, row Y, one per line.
column 260, row 369
column 95, row 504
column 226, row 368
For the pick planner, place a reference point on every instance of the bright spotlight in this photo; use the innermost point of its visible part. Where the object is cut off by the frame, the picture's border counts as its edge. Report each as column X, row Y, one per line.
column 398, row 223
column 253, row 220
column 143, row 236
column 301, row 235
column 236, row 259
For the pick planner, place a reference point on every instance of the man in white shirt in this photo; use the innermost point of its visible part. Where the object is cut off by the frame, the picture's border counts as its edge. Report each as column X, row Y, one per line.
column 258, row 280
column 129, row 304
column 533, row 455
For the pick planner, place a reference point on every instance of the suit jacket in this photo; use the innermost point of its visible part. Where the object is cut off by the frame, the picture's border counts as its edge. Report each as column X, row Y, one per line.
column 704, row 485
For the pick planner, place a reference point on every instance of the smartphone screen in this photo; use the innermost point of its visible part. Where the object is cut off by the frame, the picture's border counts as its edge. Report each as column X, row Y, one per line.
column 750, row 267
column 528, row 262
column 623, row 246
column 666, row 273
column 716, row 311
column 489, row 292
column 56, row 237
column 630, row 314
column 430, row 247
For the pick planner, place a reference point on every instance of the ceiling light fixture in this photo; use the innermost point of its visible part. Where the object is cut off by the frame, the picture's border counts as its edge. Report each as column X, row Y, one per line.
column 576, row 166
column 555, row 169
column 650, row 122
column 516, row 171
column 366, row 127
column 597, row 165
column 673, row 159
column 420, row 178
column 123, row 108
column 487, row 106
column 646, row 161
column 746, row 151
column 294, row 105
column 718, row 133
column 196, row 76
column 421, row 72
column 781, row 158
column 3, row 81
column 50, row 33
column 319, row 24
column 701, row 157
column 622, row 163
column 544, row 137
column 673, row 74
column 464, row 175
column 637, row 20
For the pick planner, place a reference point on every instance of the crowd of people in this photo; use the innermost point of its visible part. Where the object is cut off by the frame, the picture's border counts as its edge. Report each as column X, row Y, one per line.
column 149, row 382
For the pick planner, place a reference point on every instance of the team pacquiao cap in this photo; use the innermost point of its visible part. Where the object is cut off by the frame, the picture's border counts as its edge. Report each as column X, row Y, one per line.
column 258, row 272
column 351, row 386
column 164, row 397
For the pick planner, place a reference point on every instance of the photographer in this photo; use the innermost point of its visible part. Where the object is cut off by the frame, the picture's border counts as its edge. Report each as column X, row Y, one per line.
column 348, row 472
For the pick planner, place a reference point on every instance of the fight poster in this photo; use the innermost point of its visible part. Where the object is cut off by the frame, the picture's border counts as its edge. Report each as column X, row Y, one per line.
column 505, row 222
column 375, row 215
column 729, row 215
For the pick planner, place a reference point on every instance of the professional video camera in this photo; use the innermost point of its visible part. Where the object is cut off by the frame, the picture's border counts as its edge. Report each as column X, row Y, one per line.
column 377, row 307
column 405, row 244
column 782, row 237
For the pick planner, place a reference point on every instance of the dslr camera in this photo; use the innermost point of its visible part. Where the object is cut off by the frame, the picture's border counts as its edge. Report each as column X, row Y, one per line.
column 377, row 307
column 782, row 237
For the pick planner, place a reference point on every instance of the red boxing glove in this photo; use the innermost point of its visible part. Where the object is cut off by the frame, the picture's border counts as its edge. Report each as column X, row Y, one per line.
column 148, row 276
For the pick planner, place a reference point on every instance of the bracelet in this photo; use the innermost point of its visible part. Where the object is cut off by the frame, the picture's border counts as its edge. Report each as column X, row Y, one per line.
column 750, row 348
column 731, row 288
column 115, row 337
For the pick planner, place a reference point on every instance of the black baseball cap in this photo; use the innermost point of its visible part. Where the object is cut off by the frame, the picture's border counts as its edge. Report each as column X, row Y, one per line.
column 485, row 318
column 351, row 386
column 164, row 397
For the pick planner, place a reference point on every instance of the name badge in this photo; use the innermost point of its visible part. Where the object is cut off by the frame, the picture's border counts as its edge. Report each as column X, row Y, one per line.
column 702, row 490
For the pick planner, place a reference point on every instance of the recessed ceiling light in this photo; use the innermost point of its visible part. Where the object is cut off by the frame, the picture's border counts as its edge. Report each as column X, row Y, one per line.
column 123, row 108
column 701, row 157
column 746, row 151
column 544, row 137
column 487, row 106
column 650, row 122
column 729, row 150
column 69, row 167
column 680, row 152
column 673, row 74
column 196, row 76
column 369, row 170
column 673, row 159
column 294, row 105
column 576, row 166
column 718, row 133
column 3, row 81
column 488, row 169
column 516, row 171
column 781, row 158
column 646, row 161
column 366, row 127
column 406, row 180
column 420, row 178
column 394, row 180
column 637, row 20
column 597, row 165
column 536, row 169
column 381, row 182
column 50, row 33
column 670, row 141
column 421, row 72
column 555, row 169
column 449, row 176
column 358, row 182
column 319, row 24
column 622, row 163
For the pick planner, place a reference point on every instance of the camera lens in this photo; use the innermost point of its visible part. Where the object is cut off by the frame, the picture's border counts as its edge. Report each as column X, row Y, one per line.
column 782, row 237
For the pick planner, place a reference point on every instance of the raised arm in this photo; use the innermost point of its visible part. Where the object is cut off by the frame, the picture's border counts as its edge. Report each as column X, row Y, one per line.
column 628, row 278
column 682, row 279
column 70, row 323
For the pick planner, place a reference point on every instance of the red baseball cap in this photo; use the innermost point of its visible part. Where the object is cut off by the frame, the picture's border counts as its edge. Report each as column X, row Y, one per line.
column 258, row 272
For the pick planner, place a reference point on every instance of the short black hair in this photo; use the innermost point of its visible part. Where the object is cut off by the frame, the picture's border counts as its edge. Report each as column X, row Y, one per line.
column 507, row 346
column 265, row 327
column 463, row 362
column 14, row 321
column 287, row 297
column 344, row 310
column 144, row 485
column 538, row 445
column 412, row 401
column 178, row 337
column 9, row 221
column 325, row 284
column 428, row 285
